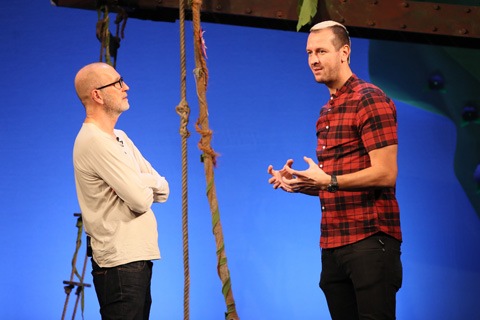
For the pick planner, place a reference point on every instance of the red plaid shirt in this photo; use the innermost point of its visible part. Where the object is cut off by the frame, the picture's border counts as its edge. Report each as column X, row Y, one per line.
column 358, row 118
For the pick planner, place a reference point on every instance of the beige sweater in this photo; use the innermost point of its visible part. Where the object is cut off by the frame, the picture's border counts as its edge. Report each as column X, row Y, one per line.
column 116, row 187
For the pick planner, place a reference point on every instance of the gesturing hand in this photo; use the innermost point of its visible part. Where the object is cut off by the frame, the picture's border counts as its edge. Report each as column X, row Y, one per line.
column 277, row 176
column 306, row 181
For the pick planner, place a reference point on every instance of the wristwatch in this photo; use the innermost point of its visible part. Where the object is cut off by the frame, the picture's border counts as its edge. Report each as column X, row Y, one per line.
column 333, row 186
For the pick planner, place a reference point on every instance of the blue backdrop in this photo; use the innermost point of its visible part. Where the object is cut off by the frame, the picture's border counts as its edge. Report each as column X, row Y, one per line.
column 263, row 105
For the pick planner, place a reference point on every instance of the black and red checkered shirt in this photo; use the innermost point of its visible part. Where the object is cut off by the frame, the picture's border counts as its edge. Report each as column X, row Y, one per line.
column 358, row 119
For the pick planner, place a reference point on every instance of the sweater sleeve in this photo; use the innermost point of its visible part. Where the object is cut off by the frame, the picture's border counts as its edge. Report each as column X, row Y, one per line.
column 115, row 168
column 149, row 175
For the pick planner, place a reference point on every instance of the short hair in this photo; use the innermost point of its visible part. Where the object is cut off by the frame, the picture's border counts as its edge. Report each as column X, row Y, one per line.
column 339, row 30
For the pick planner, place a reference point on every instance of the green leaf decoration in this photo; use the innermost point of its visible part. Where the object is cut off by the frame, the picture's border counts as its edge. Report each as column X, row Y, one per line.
column 307, row 9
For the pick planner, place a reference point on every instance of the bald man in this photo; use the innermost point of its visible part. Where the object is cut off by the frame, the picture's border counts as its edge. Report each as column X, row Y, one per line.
column 354, row 177
column 116, row 187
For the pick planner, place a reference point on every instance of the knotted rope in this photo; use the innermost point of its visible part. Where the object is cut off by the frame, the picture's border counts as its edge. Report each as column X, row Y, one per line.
column 183, row 111
column 109, row 44
column 209, row 159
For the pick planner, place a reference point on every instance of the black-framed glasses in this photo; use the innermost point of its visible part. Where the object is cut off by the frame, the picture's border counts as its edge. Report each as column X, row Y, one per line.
column 119, row 82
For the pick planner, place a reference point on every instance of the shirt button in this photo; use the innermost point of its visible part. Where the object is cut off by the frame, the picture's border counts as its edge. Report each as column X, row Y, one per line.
column 327, row 127
column 323, row 208
column 321, row 165
column 323, row 147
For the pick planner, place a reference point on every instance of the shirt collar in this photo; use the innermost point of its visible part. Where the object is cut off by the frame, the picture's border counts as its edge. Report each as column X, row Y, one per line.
column 346, row 86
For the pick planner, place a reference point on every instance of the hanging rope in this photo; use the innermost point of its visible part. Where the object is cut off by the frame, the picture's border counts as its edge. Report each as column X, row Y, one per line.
column 209, row 159
column 109, row 44
column 183, row 111
column 121, row 22
column 103, row 34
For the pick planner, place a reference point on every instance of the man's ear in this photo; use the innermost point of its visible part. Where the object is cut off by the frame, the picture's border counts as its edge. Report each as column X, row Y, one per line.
column 95, row 95
column 345, row 53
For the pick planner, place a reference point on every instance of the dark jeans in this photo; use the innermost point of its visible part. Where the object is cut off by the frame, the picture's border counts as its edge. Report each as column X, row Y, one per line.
column 123, row 291
column 361, row 280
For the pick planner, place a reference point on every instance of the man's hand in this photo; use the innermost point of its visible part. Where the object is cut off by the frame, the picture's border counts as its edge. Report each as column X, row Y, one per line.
column 278, row 175
column 308, row 181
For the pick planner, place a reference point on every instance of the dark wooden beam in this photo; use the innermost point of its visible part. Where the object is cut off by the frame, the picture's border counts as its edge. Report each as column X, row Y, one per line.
column 397, row 20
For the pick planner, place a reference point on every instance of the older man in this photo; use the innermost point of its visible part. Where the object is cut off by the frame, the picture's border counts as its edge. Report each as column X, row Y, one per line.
column 116, row 187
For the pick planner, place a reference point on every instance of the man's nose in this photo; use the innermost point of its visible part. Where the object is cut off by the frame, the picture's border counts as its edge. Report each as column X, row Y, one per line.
column 314, row 59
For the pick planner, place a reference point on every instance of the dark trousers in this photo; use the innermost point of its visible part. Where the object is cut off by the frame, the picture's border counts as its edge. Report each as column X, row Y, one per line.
column 123, row 291
column 361, row 280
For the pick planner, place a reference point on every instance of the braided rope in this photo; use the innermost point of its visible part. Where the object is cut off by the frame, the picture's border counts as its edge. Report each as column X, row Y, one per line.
column 109, row 44
column 209, row 160
column 183, row 111
column 103, row 34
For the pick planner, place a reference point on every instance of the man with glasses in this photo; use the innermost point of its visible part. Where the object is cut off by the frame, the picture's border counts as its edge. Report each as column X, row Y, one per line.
column 116, row 187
